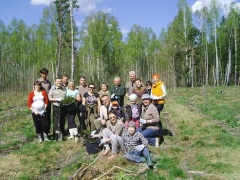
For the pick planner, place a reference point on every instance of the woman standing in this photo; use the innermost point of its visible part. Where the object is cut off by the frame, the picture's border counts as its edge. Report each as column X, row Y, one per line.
column 104, row 90
column 158, row 93
column 72, row 92
column 139, row 90
column 92, row 102
column 37, row 103
column 149, row 87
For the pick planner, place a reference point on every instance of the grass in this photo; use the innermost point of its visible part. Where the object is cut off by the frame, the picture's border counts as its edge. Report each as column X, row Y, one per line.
column 205, row 142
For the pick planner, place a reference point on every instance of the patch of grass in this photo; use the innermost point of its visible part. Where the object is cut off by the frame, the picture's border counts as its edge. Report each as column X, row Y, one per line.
column 219, row 167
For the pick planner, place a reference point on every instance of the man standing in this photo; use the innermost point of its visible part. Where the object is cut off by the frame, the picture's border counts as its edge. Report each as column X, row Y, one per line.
column 118, row 91
column 59, row 114
column 82, row 88
column 65, row 80
column 46, row 84
column 130, row 85
column 100, row 123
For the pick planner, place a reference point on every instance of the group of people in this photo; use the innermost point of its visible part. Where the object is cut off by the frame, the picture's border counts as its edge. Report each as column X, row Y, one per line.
column 131, row 124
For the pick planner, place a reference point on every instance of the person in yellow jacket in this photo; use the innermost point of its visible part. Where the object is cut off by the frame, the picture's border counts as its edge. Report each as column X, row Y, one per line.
column 158, row 93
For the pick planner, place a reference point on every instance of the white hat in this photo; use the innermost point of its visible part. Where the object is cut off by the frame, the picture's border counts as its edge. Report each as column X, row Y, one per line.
column 132, row 97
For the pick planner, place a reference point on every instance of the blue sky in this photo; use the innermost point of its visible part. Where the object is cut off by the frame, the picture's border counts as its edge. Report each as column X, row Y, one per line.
column 155, row 14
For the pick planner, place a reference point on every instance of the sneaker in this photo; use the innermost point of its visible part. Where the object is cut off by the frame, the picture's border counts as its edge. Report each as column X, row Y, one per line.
column 157, row 142
column 39, row 138
column 45, row 136
column 46, row 139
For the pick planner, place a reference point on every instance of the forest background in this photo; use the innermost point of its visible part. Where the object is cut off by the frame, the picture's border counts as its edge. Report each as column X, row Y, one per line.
column 196, row 49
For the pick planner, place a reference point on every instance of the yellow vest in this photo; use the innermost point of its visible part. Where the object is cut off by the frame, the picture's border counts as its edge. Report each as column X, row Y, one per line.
column 157, row 91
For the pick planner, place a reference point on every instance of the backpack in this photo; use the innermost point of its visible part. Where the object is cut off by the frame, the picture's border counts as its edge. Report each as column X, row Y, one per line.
column 135, row 111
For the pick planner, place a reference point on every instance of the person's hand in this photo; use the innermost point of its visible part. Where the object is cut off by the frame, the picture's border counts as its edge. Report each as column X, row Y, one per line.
column 139, row 147
column 41, row 113
column 102, row 142
column 58, row 99
column 113, row 95
column 93, row 132
column 155, row 97
column 96, row 135
column 35, row 111
column 143, row 121
column 103, row 121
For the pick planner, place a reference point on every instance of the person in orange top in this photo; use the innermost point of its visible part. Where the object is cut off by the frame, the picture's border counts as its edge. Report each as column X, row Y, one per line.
column 158, row 95
column 158, row 92
column 37, row 103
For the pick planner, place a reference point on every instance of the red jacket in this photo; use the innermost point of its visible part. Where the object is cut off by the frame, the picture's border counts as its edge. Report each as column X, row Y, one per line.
column 31, row 95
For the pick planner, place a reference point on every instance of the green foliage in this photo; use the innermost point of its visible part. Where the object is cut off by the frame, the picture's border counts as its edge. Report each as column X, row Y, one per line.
column 67, row 100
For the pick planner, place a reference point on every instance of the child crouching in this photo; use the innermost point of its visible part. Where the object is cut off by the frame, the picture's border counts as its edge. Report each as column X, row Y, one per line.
column 134, row 146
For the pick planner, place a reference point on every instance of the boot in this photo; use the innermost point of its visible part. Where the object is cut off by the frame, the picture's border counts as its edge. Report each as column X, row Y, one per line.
column 71, row 135
column 153, row 159
column 39, row 138
column 45, row 137
column 149, row 161
column 143, row 159
column 75, row 134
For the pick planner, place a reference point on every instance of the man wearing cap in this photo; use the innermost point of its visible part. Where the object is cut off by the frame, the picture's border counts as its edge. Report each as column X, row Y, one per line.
column 149, row 120
column 46, row 84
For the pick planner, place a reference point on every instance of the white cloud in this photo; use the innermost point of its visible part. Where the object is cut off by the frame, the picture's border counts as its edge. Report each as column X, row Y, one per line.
column 40, row 2
column 88, row 6
column 78, row 23
column 224, row 4
column 124, row 31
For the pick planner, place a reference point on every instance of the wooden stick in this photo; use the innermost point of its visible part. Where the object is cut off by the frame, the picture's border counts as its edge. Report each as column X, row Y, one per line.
column 75, row 174
column 117, row 167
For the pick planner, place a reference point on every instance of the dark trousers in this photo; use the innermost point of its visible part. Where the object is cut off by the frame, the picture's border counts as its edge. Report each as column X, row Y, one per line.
column 48, row 116
column 40, row 123
column 59, row 117
column 160, row 108
column 81, row 113
column 71, row 119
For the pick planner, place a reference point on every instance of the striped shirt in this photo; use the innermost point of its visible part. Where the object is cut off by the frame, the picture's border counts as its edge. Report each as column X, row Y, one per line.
column 131, row 141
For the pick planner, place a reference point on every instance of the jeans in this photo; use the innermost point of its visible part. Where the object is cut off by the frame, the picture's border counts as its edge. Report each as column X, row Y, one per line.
column 149, row 134
column 135, row 155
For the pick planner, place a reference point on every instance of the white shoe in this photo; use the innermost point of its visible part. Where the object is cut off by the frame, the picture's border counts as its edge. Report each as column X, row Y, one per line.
column 71, row 134
column 70, row 137
column 157, row 142
column 45, row 137
column 39, row 138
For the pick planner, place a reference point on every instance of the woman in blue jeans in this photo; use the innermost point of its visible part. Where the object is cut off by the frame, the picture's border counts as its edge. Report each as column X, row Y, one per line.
column 149, row 121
